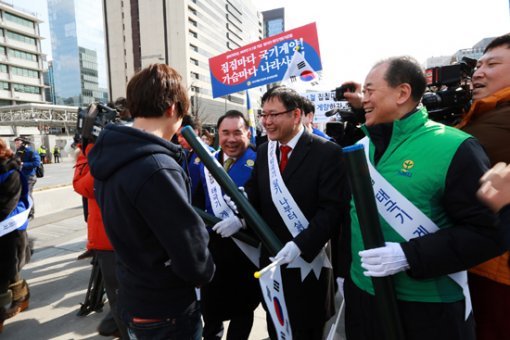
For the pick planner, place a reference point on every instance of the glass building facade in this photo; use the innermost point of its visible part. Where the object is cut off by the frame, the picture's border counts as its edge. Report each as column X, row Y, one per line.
column 78, row 49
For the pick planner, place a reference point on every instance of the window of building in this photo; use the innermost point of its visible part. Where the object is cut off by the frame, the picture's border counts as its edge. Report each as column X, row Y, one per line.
column 193, row 47
column 24, row 72
column 193, row 34
column 4, row 85
column 194, row 75
column 193, row 61
column 3, row 68
column 26, row 88
column 20, row 37
column 22, row 55
column 192, row 22
column 18, row 20
column 192, row 10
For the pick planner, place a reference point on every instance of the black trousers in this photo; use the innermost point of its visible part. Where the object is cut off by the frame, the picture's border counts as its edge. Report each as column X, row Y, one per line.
column 239, row 327
column 420, row 320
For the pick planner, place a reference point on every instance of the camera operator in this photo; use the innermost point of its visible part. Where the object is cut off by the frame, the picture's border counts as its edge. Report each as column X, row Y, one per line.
column 97, row 240
column 439, row 192
column 344, row 126
column 489, row 121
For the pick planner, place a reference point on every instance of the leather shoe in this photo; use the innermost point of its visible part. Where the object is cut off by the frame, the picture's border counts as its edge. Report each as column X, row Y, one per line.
column 17, row 307
column 87, row 253
column 108, row 326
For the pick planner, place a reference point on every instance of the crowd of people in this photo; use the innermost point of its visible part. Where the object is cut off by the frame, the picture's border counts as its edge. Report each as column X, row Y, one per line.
column 442, row 194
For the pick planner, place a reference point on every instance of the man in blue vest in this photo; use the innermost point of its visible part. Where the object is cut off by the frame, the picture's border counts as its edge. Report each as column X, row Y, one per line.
column 425, row 177
column 30, row 161
column 234, row 293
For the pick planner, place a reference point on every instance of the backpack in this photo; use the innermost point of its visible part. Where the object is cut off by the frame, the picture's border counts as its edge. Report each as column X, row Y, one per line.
column 39, row 171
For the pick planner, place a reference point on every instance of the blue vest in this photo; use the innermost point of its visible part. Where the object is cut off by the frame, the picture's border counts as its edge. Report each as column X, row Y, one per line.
column 23, row 203
column 240, row 172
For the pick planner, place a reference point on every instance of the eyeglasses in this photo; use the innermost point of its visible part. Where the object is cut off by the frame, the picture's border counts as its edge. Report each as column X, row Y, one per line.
column 273, row 115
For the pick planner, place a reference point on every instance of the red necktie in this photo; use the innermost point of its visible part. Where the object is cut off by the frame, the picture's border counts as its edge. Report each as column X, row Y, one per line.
column 285, row 150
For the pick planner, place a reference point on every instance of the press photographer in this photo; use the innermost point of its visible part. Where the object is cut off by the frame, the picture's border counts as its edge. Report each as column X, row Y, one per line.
column 345, row 121
column 91, row 121
column 449, row 91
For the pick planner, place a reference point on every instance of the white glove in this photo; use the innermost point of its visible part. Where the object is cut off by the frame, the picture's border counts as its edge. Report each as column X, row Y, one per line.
column 241, row 189
column 231, row 204
column 228, row 226
column 384, row 261
column 340, row 285
column 288, row 253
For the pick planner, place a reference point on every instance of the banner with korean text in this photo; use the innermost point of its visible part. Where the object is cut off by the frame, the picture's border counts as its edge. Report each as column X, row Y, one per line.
column 266, row 61
column 324, row 102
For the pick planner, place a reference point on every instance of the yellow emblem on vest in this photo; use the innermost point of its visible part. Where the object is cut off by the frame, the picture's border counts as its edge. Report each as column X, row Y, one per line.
column 197, row 160
column 407, row 165
column 250, row 163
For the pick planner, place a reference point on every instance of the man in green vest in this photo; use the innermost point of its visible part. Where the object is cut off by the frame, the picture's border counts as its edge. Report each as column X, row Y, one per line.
column 425, row 177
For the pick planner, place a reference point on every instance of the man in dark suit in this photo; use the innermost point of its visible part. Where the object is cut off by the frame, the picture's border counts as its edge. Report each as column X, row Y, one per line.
column 233, row 293
column 313, row 175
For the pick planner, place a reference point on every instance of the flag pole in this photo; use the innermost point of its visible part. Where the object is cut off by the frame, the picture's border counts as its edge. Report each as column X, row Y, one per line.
column 253, row 219
column 368, row 216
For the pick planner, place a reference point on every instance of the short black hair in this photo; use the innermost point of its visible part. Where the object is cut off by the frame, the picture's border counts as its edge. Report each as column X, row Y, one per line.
column 497, row 42
column 289, row 97
column 189, row 120
column 308, row 106
column 233, row 114
column 405, row 70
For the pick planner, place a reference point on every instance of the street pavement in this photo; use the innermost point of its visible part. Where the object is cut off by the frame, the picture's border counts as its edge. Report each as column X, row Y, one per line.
column 58, row 282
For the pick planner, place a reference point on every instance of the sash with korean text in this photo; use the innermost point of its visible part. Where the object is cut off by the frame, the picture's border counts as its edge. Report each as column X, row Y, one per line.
column 14, row 222
column 416, row 222
column 221, row 210
column 291, row 215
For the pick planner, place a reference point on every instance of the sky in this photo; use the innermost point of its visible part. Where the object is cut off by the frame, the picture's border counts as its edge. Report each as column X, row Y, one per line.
column 355, row 34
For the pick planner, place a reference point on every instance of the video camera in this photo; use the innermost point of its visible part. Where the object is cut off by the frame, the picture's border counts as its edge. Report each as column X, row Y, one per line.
column 345, row 122
column 449, row 93
column 92, row 120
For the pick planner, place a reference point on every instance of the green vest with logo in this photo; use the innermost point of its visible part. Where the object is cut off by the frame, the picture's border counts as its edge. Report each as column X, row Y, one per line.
column 416, row 163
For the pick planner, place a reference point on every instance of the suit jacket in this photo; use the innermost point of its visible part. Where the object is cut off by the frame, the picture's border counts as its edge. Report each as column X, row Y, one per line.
column 233, row 290
column 315, row 176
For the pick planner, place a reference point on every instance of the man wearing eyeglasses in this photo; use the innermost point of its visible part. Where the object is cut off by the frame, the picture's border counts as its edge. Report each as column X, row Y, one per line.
column 311, row 175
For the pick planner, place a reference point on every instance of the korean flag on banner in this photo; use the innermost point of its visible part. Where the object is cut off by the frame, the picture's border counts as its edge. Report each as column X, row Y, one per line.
column 272, row 290
column 300, row 75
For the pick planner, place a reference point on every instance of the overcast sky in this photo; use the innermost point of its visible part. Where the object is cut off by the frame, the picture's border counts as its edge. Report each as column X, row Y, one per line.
column 354, row 34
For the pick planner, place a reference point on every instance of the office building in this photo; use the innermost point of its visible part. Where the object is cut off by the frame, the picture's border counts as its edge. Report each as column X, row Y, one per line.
column 21, row 59
column 274, row 21
column 78, row 51
column 183, row 34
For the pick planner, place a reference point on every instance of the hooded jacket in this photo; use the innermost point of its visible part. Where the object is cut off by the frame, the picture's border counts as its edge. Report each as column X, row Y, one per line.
column 160, row 242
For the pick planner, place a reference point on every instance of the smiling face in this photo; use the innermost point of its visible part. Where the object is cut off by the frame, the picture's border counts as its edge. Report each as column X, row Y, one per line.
column 283, row 126
column 234, row 136
column 379, row 99
column 492, row 72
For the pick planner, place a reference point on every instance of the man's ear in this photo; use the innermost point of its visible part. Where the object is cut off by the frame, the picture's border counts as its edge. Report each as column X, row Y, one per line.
column 404, row 94
column 170, row 111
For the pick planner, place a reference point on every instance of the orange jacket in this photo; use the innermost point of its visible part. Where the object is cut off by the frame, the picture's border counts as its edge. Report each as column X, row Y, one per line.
column 83, row 184
column 489, row 121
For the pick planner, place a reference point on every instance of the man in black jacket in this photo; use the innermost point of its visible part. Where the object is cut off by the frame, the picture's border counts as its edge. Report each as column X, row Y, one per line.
column 144, row 196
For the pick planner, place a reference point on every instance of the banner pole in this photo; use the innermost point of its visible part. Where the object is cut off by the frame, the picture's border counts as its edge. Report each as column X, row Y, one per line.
column 364, row 200
column 253, row 219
